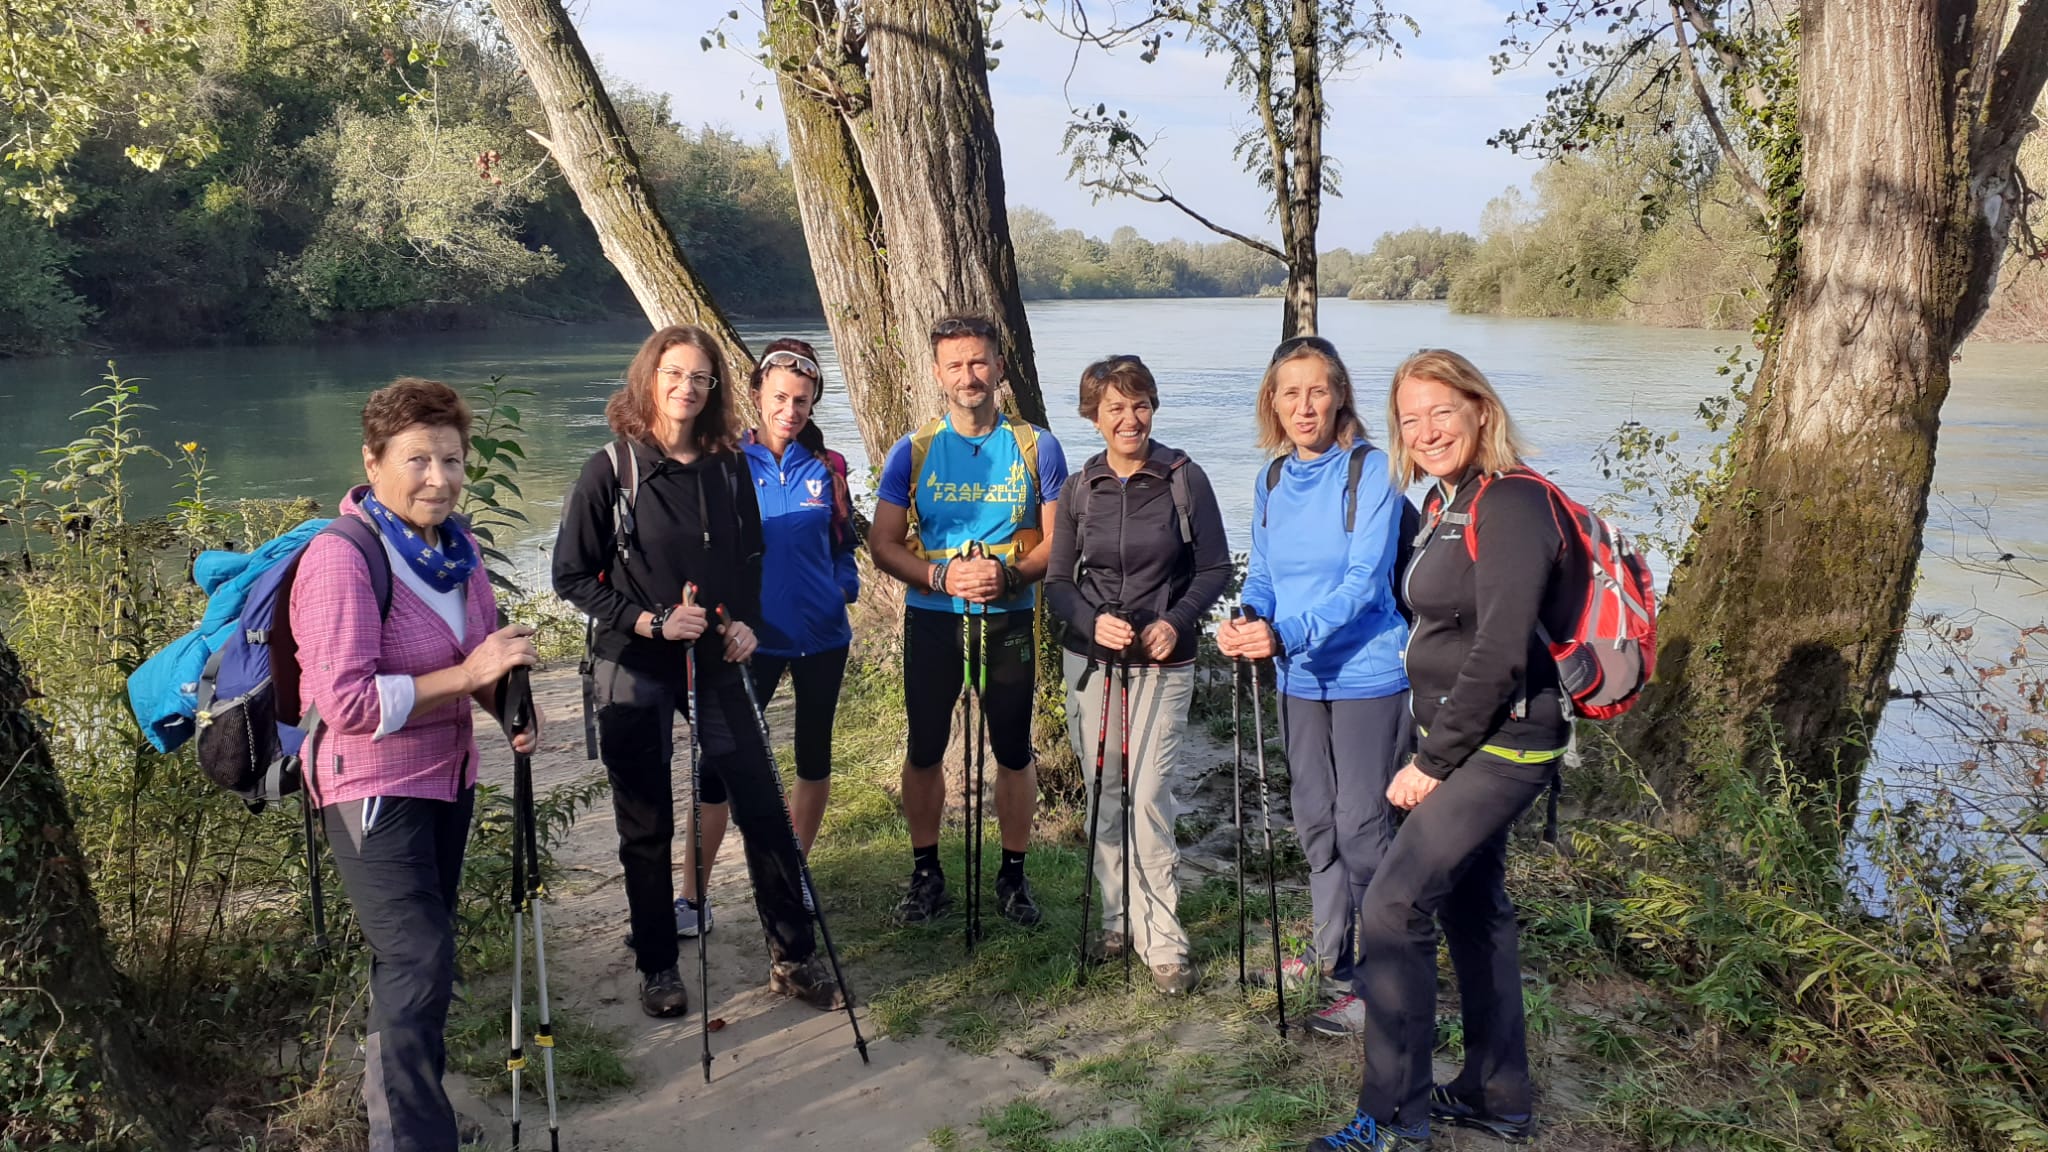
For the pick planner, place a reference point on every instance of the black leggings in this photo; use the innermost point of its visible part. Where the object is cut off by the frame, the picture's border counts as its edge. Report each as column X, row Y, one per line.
column 816, row 679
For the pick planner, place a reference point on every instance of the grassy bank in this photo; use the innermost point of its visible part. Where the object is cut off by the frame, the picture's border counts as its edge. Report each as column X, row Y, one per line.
column 1738, row 989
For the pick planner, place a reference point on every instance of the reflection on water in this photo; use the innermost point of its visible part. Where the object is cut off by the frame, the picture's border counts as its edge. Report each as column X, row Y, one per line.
column 283, row 421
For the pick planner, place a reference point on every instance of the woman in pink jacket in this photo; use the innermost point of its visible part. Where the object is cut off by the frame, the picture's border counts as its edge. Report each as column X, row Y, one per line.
column 393, row 768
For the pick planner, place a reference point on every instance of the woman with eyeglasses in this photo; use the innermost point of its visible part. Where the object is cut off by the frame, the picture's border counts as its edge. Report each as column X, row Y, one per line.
column 668, row 507
column 1326, row 535
column 808, row 577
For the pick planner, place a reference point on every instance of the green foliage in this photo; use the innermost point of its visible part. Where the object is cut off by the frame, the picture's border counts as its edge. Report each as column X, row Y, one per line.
column 1411, row 265
column 1055, row 263
column 39, row 311
column 491, row 474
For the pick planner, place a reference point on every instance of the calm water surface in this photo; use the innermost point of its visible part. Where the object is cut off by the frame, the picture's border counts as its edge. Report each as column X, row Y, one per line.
column 283, row 421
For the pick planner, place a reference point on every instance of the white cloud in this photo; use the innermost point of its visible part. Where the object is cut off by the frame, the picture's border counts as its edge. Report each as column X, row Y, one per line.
column 1408, row 131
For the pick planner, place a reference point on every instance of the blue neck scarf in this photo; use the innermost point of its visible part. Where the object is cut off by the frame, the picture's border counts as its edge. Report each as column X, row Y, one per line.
column 445, row 568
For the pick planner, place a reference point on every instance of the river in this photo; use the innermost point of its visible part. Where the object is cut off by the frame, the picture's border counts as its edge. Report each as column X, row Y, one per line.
column 283, row 421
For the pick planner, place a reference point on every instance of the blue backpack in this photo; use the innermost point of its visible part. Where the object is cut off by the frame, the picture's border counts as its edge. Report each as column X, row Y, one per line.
column 250, row 729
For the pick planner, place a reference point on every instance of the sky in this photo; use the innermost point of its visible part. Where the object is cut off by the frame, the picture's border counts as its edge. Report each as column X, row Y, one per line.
column 1409, row 132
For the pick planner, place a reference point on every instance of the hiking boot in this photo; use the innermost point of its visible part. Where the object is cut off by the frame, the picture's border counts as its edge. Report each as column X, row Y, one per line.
column 927, row 899
column 662, row 994
column 810, row 981
column 1344, row 1017
column 1175, row 979
column 1450, row 1109
column 1301, row 972
column 691, row 918
column 1364, row 1134
column 1110, row 945
column 1013, row 900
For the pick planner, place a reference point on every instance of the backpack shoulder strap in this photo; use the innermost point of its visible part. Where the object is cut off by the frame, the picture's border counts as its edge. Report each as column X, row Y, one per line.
column 844, row 534
column 920, row 448
column 1183, row 500
column 370, row 545
column 1272, row 482
column 1359, row 452
column 625, row 490
column 1027, row 445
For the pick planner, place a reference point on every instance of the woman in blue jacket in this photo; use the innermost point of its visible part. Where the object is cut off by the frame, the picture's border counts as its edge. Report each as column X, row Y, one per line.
column 1326, row 526
column 808, row 577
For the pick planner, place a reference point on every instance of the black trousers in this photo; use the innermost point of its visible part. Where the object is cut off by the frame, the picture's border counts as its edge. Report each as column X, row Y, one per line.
column 1448, row 864
column 400, row 861
column 635, row 727
column 816, row 679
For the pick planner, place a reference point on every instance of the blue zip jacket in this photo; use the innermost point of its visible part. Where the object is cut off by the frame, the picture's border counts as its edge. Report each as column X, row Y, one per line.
column 806, row 581
column 1330, row 596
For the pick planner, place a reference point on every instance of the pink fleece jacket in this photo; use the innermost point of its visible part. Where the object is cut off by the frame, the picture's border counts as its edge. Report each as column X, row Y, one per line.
column 343, row 648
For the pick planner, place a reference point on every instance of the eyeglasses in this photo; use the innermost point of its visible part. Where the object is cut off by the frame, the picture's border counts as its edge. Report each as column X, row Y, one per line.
column 953, row 327
column 699, row 381
column 794, row 361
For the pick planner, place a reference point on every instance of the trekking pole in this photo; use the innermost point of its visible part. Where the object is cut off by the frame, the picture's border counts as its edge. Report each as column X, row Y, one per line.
column 812, row 903
column 1237, row 802
column 1129, row 838
column 1095, row 807
column 697, row 834
column 530, row 891
column 974, row 662
column 515, row 1060
column 1247, row 612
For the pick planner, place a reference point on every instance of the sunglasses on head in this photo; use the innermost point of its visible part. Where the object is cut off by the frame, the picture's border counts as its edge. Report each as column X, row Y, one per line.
column 794, row 361
column 1295, row 344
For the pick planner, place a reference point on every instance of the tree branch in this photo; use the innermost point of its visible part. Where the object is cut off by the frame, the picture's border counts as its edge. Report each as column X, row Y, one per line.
column 2017, row 80
column 1743, row 176
column 1706, row 33
column 1161, row 196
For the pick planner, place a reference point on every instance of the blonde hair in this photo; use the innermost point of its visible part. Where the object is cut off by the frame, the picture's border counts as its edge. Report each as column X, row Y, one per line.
column 1500, row 444
column 1273, row 439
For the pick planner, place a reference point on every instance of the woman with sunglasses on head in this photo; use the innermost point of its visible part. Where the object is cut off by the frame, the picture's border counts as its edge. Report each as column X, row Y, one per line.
column 808, row 578
column 670, row 506
column 1326, row 535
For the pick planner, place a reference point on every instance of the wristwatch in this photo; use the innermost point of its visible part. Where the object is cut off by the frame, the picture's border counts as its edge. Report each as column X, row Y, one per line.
column 660, row 618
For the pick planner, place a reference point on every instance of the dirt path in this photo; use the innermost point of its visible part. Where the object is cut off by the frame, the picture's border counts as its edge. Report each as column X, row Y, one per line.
column 784, row 1076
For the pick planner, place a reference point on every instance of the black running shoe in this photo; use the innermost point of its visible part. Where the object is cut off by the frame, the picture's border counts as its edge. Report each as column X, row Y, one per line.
column 926, row 900
column 1452, row 1110
column 810, row 981
column 1013, row 900
column 662, row 994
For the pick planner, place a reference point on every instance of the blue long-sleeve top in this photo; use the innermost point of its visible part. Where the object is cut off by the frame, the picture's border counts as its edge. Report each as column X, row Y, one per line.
column 807, row 577
column 1329, row 595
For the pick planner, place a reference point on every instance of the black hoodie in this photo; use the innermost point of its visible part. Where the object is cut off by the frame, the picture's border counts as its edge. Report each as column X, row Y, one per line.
column 1479, row 672
column 669, row 548
column 1131, row 553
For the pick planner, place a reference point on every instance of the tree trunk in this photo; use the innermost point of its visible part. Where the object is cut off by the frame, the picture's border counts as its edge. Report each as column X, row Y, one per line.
column 842, row 217
column 1301, row 211
column 65, row 1026
column 590, row 146
column 930, row 151
column 1785, row 616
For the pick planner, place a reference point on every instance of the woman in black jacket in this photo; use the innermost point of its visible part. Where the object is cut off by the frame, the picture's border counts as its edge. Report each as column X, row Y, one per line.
column 670, row 506
column 1493, row 569
column 1139, row 557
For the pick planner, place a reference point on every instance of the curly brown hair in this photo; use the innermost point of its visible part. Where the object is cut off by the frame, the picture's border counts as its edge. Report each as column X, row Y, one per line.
column 1126, row 374
column 407, row 401
column 631, row 410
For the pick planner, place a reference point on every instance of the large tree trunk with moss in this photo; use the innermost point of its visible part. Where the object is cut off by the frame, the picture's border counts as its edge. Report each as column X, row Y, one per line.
column 1785, row 616
column 589, row 144
column 928, row 141
column 819, row 76
column 71, row 1070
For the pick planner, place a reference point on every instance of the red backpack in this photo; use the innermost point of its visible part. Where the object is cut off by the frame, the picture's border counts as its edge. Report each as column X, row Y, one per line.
column 1612, row 650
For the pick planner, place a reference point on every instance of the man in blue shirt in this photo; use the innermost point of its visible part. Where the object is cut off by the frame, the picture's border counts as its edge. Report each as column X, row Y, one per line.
column 970, row 476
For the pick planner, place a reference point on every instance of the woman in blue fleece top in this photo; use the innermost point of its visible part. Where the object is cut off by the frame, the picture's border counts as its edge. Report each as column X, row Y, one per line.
column 1322, row 563
column 808, row 577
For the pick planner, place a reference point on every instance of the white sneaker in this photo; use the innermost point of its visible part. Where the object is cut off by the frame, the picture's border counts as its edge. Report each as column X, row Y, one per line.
column 1344, row 1017
column 690, row 919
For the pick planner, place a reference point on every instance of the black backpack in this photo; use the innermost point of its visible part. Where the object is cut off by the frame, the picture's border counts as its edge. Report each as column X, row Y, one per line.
column 1411, row 518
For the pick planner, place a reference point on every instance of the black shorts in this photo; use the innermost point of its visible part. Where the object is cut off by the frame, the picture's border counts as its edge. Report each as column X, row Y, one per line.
column 934, row 672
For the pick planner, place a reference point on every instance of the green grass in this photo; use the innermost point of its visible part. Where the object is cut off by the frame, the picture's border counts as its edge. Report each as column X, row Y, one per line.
column 589, row 1062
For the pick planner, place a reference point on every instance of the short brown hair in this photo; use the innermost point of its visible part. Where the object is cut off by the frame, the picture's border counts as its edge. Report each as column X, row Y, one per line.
column 1126, row 374
column 1500, row 442
column 407, row 401
column 1272, row 435
column 961, row 327
column 631, row 411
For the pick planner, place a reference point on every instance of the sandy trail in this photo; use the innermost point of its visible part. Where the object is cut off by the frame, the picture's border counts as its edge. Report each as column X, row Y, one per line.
column 783, row 1076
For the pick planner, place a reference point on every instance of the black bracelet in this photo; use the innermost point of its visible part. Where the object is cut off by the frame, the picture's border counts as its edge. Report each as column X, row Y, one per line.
column 1013, row 580
column 660, row 618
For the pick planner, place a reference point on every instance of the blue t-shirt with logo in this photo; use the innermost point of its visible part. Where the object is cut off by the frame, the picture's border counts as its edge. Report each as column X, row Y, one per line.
column 974, row 488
